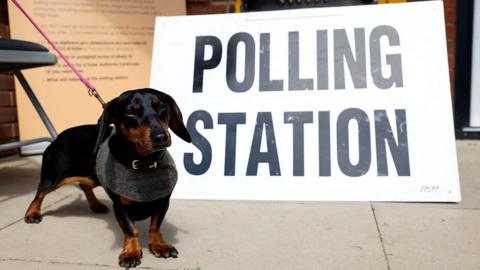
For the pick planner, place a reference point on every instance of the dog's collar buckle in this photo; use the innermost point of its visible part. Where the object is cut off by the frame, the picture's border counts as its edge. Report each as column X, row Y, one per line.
column 137, row 165
column 153, row 165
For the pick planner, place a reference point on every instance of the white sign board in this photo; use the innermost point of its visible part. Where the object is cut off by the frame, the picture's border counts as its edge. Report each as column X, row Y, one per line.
column 317, row 104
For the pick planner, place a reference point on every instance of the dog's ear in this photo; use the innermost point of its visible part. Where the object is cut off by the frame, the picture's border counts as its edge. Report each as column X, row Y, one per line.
column 103, row 124
column 175, row 119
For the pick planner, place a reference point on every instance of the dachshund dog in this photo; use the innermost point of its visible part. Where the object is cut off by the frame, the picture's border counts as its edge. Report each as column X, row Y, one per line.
column 129, row 161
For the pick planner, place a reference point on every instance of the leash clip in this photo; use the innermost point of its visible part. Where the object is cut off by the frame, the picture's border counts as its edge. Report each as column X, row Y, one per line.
column 94, row 93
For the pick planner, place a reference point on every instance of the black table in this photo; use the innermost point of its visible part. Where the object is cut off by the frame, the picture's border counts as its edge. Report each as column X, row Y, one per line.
column 16, row 55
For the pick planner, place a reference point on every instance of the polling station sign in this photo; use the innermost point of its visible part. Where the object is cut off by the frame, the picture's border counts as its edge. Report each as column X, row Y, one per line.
column 345, row 103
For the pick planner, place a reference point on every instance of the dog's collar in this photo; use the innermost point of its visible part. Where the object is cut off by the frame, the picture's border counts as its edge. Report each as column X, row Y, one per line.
column 149, row 163
column 138, row 164
column 140, row 185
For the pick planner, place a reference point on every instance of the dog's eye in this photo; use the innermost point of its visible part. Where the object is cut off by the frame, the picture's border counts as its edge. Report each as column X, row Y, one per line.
column 133, row 110
column 159, row 105
column 136, row 107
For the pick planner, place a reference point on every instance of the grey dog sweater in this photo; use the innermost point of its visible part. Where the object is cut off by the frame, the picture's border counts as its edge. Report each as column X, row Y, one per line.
column 138, row 185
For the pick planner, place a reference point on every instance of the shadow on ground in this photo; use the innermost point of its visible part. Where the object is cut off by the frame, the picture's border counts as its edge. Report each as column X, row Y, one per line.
column 15, row 182
column 79, row 208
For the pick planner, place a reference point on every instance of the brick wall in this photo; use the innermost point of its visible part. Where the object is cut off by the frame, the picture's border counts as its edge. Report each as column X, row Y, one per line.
column 8, row 107
column 197, row 7
column 450, row 24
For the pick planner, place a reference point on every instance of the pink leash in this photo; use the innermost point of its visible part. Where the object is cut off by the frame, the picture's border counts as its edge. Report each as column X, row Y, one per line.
column 91, row 89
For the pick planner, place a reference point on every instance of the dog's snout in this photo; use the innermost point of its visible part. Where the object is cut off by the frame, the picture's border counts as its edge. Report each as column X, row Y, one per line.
column 161, row 138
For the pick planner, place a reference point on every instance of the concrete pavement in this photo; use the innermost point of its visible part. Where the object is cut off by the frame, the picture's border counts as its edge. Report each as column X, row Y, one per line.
column 246, row 235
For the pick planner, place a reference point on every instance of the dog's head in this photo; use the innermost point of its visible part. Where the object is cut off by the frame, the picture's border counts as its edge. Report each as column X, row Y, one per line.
column 143, row 117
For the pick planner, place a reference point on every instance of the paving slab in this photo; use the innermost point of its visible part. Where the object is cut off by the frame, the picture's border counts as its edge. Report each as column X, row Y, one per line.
column 209, row 235
column 18, row 184
column 39, row 265
column 436, row 235
column 18, row 176
column 429, row 237
column 468, row 153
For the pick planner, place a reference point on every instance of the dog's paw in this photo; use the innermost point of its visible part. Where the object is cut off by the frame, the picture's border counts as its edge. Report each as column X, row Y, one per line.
column 164, row 251
column 33, row 218
column 99, row 208
column 130, row 259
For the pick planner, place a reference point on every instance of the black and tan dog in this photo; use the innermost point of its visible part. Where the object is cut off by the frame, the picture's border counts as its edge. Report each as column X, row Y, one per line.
column 130, row 161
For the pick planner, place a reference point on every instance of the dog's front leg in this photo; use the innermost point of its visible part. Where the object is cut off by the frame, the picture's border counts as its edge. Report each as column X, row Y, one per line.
column 132, row 251
column 158, row 246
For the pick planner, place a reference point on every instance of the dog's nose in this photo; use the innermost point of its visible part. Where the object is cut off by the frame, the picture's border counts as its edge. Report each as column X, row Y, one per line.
column 161, row 138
